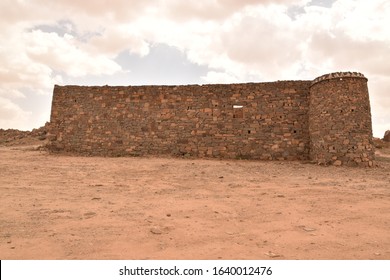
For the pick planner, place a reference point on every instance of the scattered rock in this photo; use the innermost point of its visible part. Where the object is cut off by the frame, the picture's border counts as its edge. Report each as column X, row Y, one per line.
column 378, row 143
column 156, row 230
column 89, row 215
column 308, row 229
column 337, row 163
column 273, row 255
column 220, row 177
column 386, row 137
column 168, row 215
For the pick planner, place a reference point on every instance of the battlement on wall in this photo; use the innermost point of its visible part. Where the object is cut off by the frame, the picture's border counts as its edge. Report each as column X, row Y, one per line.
column 338, row 75
column 267, row 121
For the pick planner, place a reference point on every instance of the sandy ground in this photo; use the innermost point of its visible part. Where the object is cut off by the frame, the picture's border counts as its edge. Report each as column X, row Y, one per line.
column 68, row 207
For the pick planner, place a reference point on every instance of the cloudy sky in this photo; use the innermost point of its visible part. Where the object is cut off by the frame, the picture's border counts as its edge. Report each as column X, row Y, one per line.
column 134, row 42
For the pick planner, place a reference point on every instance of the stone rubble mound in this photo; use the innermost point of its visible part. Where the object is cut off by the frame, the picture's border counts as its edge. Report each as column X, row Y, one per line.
column 10, row 137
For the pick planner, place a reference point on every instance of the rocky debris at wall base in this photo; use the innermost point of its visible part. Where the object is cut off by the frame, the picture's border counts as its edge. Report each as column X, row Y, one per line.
column 9, row 137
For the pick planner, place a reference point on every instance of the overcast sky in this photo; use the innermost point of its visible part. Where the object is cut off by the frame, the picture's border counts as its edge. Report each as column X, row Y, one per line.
column 134, row 42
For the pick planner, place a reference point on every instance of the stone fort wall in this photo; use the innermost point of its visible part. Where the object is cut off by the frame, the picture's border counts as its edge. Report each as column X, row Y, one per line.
column 340, row 120
column 268, row 121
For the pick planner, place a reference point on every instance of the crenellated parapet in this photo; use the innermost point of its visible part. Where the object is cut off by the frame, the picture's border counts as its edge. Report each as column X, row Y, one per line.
column 338, row 75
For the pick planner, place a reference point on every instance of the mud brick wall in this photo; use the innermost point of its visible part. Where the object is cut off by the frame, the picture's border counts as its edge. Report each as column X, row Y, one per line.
column 256, row 120
column 340, row 120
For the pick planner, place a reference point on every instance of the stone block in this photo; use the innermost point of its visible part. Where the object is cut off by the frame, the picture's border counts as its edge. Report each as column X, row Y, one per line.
column 337, row 163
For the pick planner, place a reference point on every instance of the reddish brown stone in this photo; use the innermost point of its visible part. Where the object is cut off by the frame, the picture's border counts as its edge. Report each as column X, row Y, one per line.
column 386, row 137
column 340, row 120
column 324, row 120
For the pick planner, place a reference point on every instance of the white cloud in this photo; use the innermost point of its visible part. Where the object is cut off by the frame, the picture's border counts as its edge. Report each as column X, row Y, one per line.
column 12, row 116
column 379, row 89
column 220, row 78
column 10, row 92
column 215, row 10
column 66, row 54
column 363, row 20
column 116, row 39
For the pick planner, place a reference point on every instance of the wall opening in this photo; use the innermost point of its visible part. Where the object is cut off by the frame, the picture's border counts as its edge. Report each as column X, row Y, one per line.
column 238, row 111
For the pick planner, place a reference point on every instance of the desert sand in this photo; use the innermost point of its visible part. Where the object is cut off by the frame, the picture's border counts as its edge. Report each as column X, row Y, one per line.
column 71, row 207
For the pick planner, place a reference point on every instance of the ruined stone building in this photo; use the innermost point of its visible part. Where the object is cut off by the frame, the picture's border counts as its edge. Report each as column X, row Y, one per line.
column 326, row 120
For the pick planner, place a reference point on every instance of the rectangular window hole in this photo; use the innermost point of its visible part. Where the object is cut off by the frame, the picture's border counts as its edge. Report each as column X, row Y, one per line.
column 238, row 111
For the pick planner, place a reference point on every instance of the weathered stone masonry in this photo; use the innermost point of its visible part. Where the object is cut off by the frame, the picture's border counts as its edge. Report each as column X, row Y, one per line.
column 340, row 120
column 327, row 120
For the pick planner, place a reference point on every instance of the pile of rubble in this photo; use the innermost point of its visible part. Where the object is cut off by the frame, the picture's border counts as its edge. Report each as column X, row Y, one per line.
column 384, row 142
column 9, row 137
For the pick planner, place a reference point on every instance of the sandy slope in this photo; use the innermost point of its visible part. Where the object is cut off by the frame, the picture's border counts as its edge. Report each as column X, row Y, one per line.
column 67, row 207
